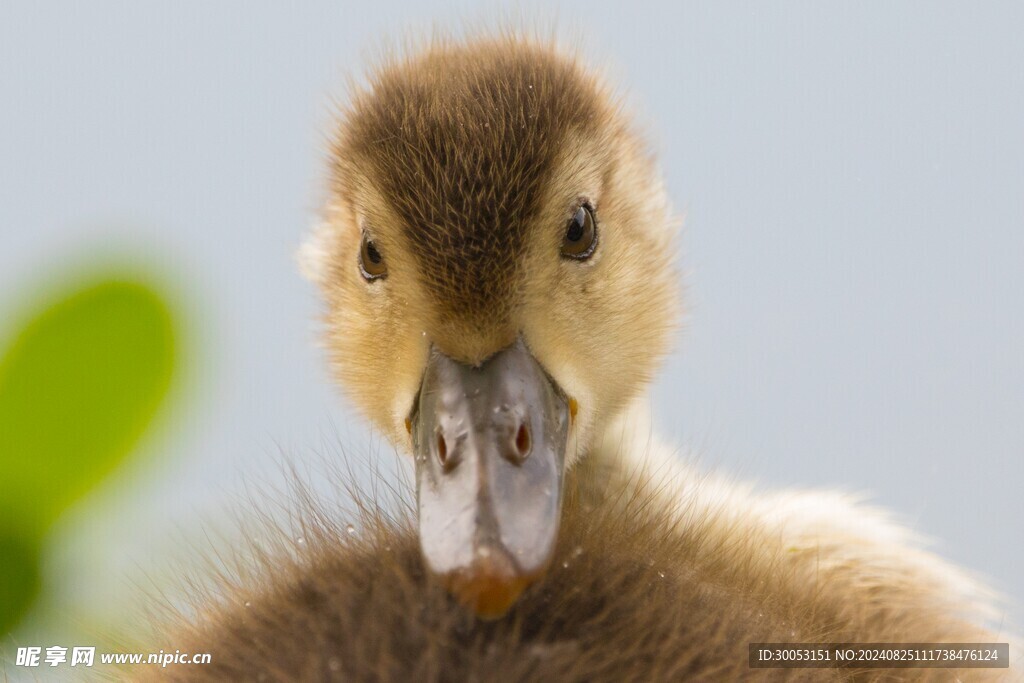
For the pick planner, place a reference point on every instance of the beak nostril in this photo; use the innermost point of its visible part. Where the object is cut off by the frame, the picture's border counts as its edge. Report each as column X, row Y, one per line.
column 523, row 441
column 442, row 449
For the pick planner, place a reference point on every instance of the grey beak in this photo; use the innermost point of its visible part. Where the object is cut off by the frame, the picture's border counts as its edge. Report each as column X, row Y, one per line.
column 490, row 450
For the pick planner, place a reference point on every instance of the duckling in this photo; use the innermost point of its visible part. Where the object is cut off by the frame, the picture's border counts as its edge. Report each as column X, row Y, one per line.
column 495, row 254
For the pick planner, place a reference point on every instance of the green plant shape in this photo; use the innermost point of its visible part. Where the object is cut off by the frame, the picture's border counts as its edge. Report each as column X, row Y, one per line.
column 20, row 579
column 79, row 386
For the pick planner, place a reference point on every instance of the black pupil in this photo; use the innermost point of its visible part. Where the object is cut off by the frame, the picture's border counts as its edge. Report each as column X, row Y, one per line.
column 575, row 232
column 372, row 252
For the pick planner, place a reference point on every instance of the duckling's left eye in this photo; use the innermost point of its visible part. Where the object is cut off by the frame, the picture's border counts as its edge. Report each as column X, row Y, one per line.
column 371, row 263
column 580, row 235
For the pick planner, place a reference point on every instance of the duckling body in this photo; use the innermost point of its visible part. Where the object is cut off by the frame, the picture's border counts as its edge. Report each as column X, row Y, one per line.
column 452, row 179
column 639, row 590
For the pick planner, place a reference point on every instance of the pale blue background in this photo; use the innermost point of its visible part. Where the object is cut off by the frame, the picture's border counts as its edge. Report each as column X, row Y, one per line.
column 852, row 176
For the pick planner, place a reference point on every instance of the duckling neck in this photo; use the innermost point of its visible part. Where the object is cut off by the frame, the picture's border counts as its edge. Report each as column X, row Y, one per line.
column 629, row 456
column 630, row 432
column 630, row 444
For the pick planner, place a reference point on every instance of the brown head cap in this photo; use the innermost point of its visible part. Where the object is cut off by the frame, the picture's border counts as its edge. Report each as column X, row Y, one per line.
column 462, row 141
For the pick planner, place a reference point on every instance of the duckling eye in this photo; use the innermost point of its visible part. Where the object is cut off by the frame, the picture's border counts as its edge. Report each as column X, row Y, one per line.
column 371, row 263
column 580, row 235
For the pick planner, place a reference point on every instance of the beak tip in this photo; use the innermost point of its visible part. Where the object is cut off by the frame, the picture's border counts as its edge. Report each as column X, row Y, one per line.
column 490, row 587
column 489, row 598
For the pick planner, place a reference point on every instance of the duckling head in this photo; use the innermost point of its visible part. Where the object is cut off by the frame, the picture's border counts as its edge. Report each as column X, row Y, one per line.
column 496, row 258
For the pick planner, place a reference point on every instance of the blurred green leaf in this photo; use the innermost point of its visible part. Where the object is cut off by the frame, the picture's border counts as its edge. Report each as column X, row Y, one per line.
column 78, row 388
column 19, row 578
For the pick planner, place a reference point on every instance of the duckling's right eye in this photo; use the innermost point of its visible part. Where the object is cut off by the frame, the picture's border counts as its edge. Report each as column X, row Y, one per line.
column 371, row 263
column 580, row 238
